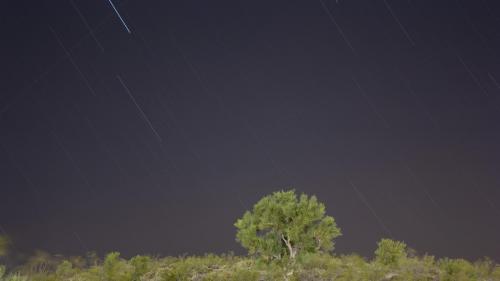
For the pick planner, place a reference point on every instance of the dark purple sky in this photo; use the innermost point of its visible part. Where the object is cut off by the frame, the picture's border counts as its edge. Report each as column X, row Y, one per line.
column 156, row 141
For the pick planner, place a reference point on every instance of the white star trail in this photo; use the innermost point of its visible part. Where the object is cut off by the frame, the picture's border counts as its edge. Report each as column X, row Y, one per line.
column 119, row 16
column 70, row 58
column 84, row 20
column 84, row 247
column 72, row 160
column 372, row 105
column 139, row 108
column 369, row 207
column 472, row 75
column 495, row 82
column 399, row 23
column 339, row 29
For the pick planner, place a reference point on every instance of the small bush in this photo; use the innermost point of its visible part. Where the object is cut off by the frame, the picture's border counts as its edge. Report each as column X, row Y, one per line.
column 390, row 252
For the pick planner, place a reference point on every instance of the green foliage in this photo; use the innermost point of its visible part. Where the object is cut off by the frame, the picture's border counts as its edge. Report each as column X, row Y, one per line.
column 457, row 270
column 390, row 252
column 307, row 267
column 65, row 270
column 282, row 225
column 16, row 277
column 141, row 265
column 116, row 269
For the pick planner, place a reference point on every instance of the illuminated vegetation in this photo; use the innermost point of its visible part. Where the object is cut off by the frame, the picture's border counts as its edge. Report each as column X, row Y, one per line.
column 285, row 237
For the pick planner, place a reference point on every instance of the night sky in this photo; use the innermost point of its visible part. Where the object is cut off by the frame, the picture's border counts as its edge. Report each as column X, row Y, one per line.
column 155, row 133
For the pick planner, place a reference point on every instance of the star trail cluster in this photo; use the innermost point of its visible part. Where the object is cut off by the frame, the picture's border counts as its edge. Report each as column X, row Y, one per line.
column 150, row 126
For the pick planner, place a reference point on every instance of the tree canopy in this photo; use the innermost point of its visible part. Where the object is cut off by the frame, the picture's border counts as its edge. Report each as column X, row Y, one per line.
column 285, row 225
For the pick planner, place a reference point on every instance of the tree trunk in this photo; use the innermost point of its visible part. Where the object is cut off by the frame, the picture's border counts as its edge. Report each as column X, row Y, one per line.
column 291, row 250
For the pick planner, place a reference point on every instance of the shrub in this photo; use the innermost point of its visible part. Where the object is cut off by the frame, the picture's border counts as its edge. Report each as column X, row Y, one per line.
column 390, row 252
column 116, row 269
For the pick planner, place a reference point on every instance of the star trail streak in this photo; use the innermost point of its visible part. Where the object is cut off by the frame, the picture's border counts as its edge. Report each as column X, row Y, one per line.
column 91, row 32
column 70, row 58
column 144, row 116
column 401, row 26
column 363, row 199
column 371, row 104
column 337, row 26
column 119, row 16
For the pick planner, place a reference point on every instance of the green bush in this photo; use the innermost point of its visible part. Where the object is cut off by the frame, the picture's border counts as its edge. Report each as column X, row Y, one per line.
column 390, row 252
column 116, row 269
column 457, row 270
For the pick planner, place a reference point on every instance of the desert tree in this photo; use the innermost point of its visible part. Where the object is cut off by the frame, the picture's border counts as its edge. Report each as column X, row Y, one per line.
column 285, row 225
